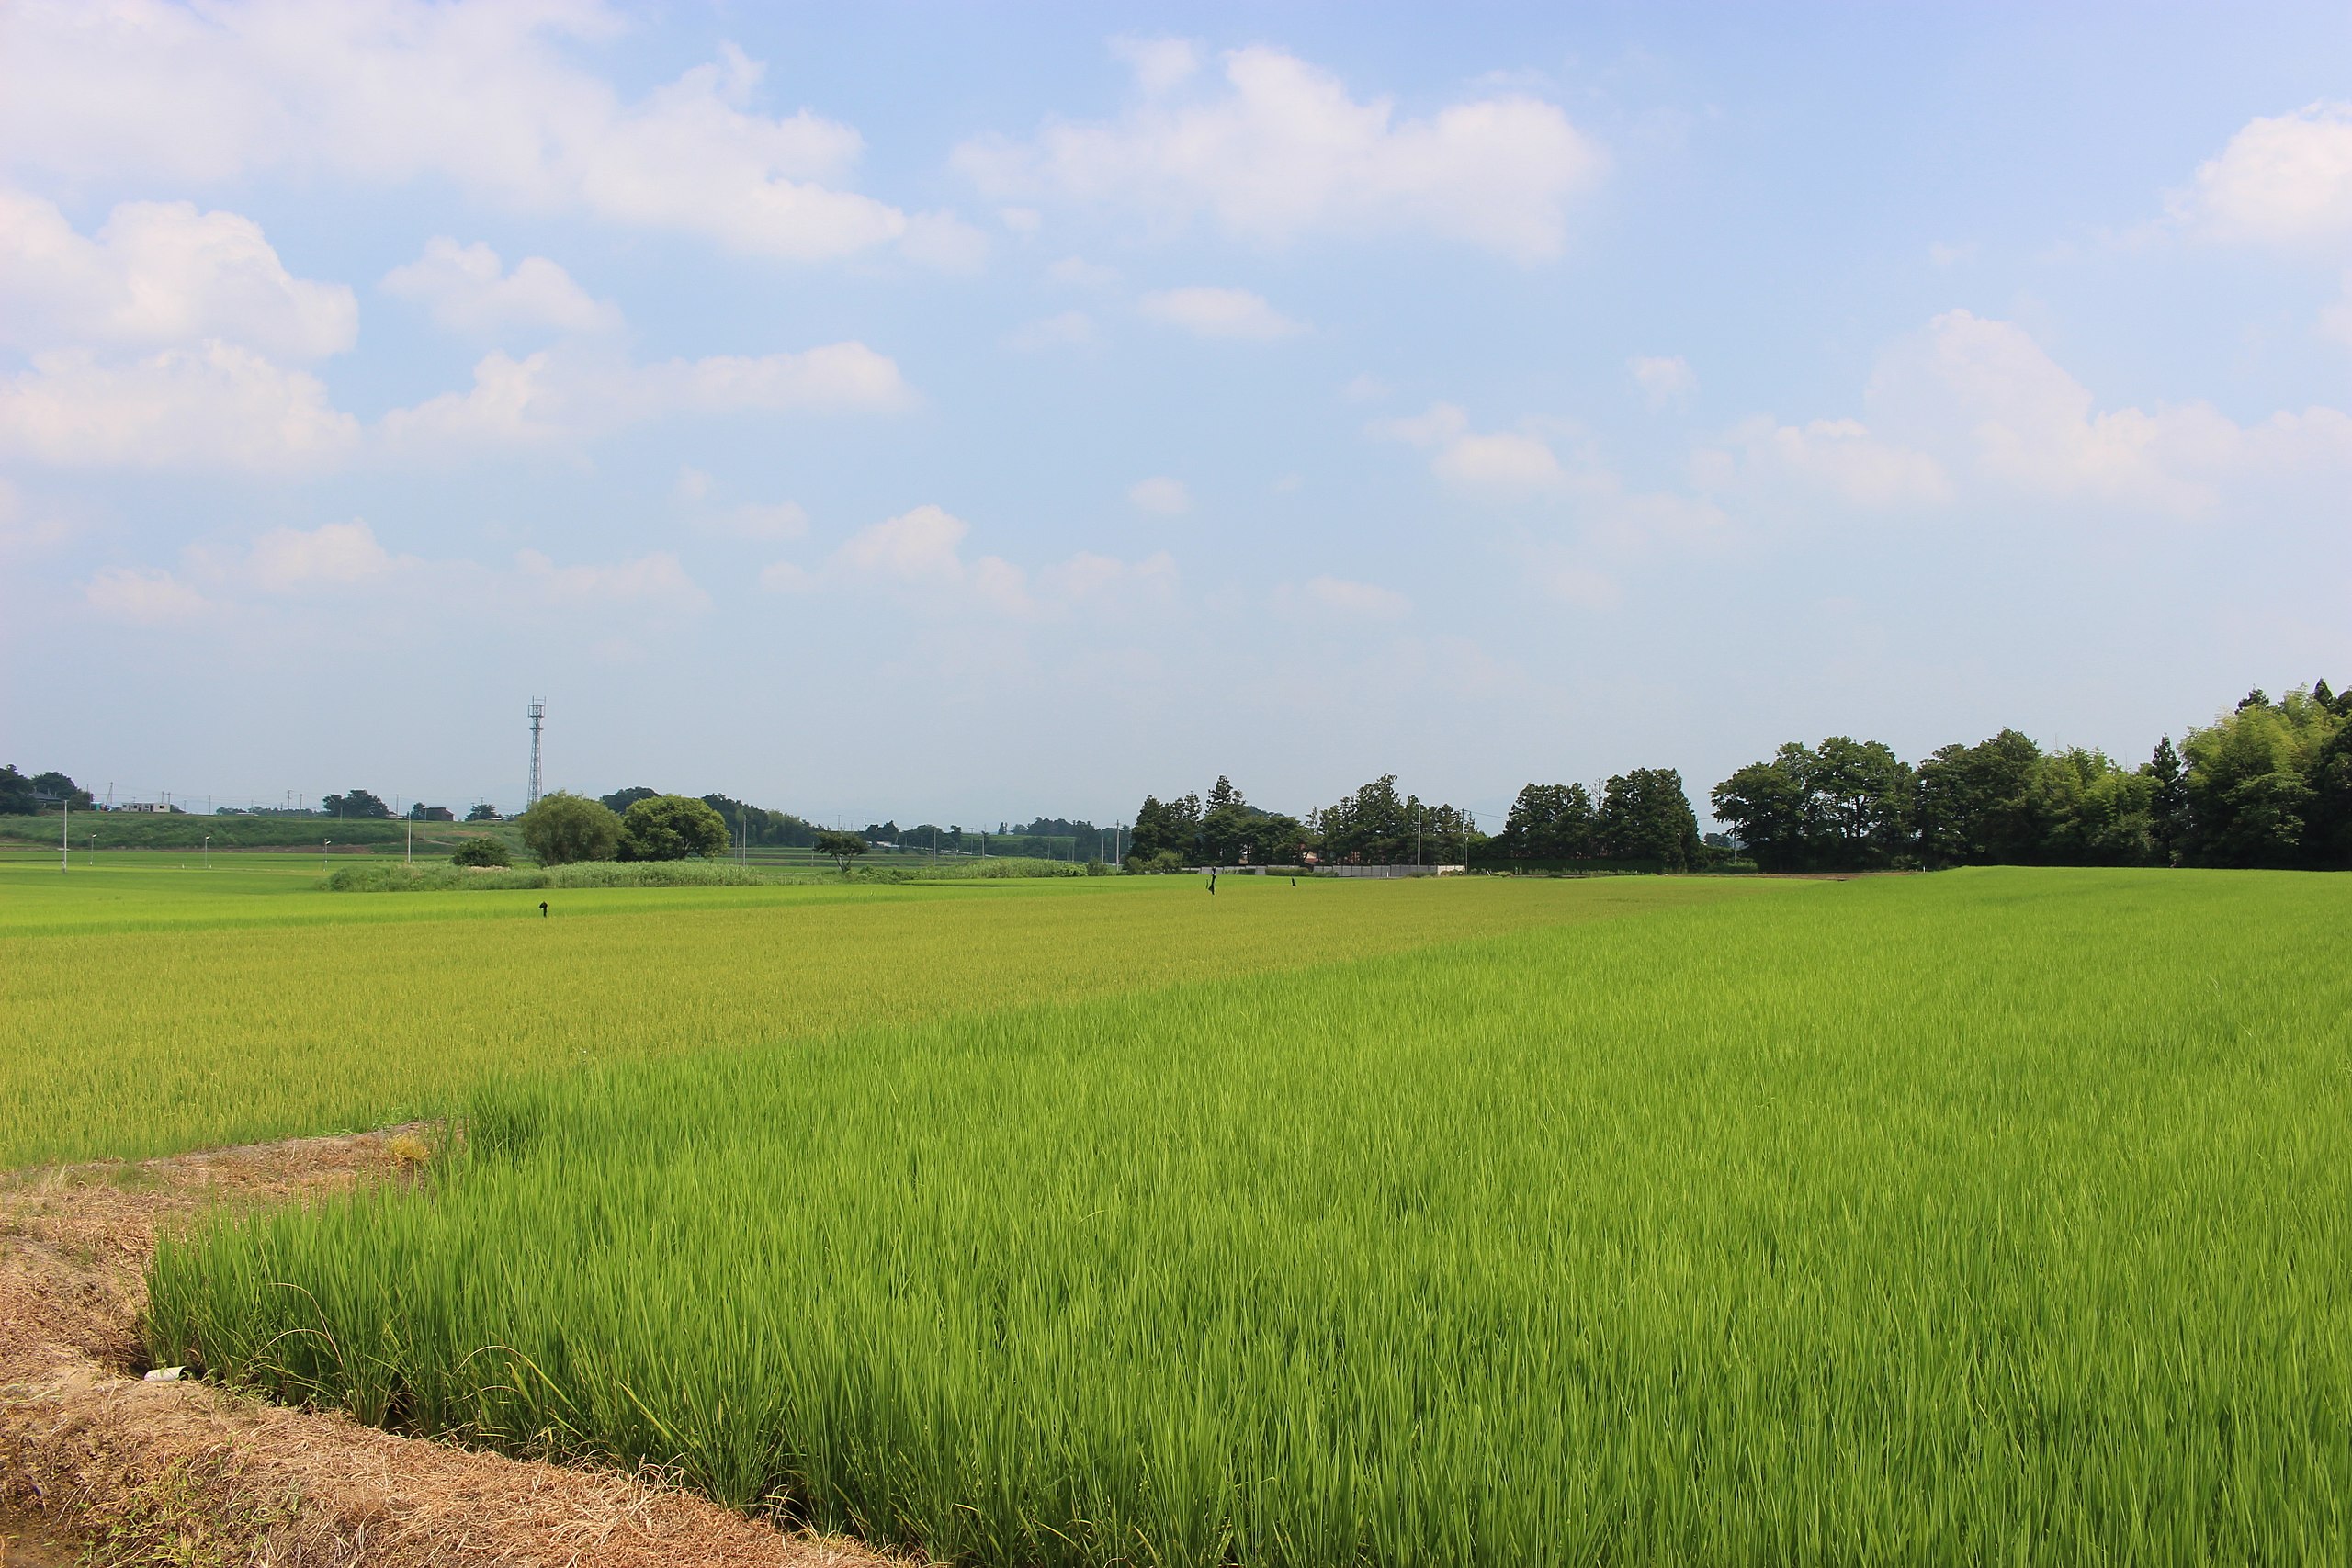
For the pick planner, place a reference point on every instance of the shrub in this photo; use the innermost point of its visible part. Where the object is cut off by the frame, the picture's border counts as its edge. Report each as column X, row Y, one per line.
column 484, row 850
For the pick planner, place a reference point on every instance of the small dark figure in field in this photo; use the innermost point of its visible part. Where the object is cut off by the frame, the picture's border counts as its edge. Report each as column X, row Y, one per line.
column 1212, row 882
column 543, row 908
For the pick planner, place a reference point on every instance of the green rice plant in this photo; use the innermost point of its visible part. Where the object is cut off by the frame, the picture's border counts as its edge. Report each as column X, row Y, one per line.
column 1996, row 1216
column 149, row 1011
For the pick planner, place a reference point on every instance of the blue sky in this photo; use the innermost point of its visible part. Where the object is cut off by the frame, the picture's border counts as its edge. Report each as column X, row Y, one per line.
column 958, row 412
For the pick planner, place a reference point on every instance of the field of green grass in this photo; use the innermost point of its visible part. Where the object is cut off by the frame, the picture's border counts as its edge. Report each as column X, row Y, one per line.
column 1989, row 1216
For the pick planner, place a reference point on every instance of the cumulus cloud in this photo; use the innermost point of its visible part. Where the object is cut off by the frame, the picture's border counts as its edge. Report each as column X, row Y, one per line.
column 2026, row 422
column 1506, row 460
column 391, row 91
column 1837, row 456
column 216, row 406
column 1663, row 379
column 555, row 396
column 2282, row 179
column 1161, row 495
column 334, row 555
column 469, row 290
column 159, row 275
column 142, row 598
column 1279, row 150
column 920, row 553
column 1219, row 313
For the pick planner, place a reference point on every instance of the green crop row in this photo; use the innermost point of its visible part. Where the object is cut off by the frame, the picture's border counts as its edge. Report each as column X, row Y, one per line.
column 1993, row 1217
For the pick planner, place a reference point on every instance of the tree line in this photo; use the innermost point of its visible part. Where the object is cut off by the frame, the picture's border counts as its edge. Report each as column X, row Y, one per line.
column 1644, row 820
column 2267, row 784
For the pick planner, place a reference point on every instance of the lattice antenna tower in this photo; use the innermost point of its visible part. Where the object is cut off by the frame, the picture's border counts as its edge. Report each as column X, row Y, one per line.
column 538, row 716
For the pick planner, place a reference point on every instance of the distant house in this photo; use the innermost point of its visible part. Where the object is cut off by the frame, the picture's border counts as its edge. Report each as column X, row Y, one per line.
column 150, row 807
column 436, row 814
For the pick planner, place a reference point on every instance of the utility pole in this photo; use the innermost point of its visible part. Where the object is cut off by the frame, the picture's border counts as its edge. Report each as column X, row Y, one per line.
column 538, row 713
column 66, row 838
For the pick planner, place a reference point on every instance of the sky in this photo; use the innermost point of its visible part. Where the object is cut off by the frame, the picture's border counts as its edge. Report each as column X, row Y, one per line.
column 959, row 414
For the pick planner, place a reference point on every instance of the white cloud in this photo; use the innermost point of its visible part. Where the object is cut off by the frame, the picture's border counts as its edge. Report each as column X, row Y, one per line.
column 656, row 580
column 1988, row 387
column 1363, row 600
column 1159, row 494
column 469, row 291
column 218, row 406
column 1663, row 379
column 1219, row 313
column 920, row 553
column 392, row 91
column 554, row 396
column 287, row 560
column 144, row 598
column 1079, row 273
column 1837, row 456
column 1364, row 388
column 2335, row 321
column 1020, row 220
column 1160, row 64
column 2283, row 179
column 1283, row 151
column 1070, row 329
column 160, row 275
column 916, row 544
column 1501, row 460
column 756, row 520
column 693, row 484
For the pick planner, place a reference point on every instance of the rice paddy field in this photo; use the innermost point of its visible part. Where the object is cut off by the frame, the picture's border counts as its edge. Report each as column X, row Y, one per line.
column 1992, row 1217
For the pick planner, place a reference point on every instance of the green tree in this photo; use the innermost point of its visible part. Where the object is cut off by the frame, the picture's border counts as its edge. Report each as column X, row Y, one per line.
column 481, row 851
column 620, row 800
column 2169, row 825
column 1974, row 804
column 482, row 812
column 1769, row 805
column 671, row 826
column 1548, row 822
column 842, row 847
column 1374, row 826
column 563, row 828
column 353, row 803
column 2252, row 777
column 1165, row 828
column 16, row 794
column 1646, row 814
column 1861, row 795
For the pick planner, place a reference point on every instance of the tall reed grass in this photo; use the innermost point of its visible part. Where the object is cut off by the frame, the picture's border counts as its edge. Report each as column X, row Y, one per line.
column 1992, row 1217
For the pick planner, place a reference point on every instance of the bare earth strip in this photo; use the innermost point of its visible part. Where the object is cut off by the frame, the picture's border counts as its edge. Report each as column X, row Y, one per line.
column 181, row 1473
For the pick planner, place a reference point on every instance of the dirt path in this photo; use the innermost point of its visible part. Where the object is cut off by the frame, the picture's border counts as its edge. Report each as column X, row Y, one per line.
column 93, row 1458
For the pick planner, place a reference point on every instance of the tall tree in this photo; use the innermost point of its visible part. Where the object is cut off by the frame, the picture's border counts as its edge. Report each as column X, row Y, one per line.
column 2169, row 825
column 1768, row 805
column 671, row 826
column 1646, row 814
column 1548, row 822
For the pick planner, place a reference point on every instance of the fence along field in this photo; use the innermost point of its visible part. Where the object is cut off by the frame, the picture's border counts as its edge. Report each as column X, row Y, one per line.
column 1995, row 1216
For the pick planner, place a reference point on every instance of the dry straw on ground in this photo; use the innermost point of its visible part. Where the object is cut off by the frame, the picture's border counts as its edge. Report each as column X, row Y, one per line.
column 185, row 1473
